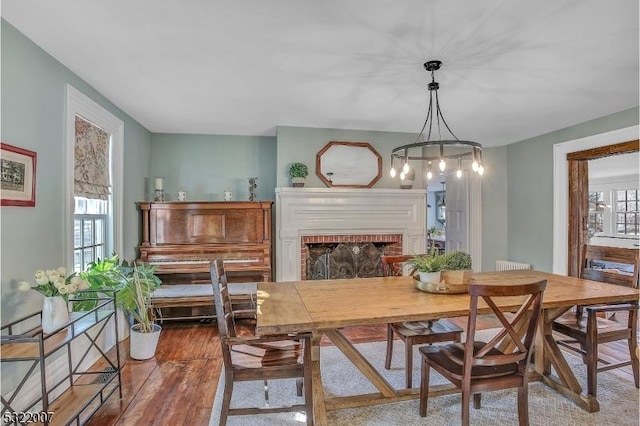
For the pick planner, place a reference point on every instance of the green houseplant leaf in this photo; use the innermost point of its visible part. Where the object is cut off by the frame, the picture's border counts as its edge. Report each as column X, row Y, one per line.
column 432, row 262
column 298, row 170
column 456, row 260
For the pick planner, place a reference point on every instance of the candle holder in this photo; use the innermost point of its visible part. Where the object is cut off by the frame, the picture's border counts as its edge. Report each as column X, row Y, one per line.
column 158, row 195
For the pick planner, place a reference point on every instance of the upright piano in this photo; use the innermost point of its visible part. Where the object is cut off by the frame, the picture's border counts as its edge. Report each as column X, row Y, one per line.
column 181, row 238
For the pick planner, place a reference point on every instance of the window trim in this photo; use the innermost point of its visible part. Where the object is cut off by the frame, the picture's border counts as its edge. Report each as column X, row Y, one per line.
column 80, row 104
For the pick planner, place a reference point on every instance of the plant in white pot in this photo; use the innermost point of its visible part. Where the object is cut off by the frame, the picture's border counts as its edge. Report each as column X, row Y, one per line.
column 134, row 297
column 428, row 266
column 298, row 173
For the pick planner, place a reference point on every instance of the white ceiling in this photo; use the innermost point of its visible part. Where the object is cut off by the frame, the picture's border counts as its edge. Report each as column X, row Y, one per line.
column 512, row 69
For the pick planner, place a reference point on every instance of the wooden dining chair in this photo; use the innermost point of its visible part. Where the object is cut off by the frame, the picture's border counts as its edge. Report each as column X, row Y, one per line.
column 253, row 358
column 414, row 332
column 500, row 363
column 601, row 263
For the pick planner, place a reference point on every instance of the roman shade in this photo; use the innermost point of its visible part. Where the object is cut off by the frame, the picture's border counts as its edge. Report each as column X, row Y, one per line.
column 91, row 166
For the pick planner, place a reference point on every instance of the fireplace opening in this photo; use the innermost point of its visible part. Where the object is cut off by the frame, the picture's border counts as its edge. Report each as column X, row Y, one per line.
column 344, row 260
column 347, row 256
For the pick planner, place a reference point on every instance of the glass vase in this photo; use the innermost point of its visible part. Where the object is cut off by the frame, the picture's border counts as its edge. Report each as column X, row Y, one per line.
column 55, row 313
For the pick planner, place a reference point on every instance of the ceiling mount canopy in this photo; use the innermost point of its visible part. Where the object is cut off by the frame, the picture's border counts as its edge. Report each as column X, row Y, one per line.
column 445, row 152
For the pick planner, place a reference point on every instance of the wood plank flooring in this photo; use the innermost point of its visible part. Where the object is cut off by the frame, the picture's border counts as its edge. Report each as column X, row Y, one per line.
column 177, row 386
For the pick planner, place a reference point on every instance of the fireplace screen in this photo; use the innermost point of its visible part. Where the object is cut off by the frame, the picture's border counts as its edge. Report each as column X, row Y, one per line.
column 344, row 260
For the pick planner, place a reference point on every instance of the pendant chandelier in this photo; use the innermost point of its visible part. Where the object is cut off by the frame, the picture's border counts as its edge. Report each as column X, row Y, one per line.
column 444, row 152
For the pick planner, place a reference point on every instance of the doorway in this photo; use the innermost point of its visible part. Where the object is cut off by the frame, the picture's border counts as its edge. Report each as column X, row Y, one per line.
column 601, row 145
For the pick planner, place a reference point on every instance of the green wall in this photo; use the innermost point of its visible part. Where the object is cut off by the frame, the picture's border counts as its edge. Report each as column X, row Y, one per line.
column 494, row 211
column 33, row 117
column 207, row 165
column 530, row 187
column 300, row 144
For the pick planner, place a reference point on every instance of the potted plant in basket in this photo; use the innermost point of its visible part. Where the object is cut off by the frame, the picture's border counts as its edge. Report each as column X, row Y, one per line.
column 298, row 173
column 456, row 268
column 428, row 266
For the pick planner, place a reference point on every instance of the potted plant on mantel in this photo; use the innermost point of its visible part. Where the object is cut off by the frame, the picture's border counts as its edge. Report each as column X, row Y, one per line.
column 298, row 173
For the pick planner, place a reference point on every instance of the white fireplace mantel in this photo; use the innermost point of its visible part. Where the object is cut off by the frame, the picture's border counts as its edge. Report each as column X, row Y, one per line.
column 339, row 211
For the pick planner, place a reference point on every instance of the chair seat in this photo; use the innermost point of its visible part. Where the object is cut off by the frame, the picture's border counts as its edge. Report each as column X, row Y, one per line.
column 432, row 331
column 451, row 358
column 572, row 325
column 275, row 354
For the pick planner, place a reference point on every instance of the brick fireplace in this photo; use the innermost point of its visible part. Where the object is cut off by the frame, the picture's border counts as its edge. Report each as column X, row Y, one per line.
column 392, row 220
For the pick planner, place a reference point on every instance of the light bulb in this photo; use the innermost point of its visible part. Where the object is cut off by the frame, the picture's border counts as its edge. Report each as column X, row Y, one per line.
column 392, row 172
column 474, row 166
column 402, row 175
column 442, row 165
column 405, row 168
column 429, row 175
column 459, row 173
column 480, row 169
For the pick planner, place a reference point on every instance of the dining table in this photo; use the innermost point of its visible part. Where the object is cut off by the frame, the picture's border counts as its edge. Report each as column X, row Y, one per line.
column 325, row 307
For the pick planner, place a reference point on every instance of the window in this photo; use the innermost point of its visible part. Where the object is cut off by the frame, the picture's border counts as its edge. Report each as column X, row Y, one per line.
column 94, row 217
column 89, row 232
column 627, row 212
column 595, row 222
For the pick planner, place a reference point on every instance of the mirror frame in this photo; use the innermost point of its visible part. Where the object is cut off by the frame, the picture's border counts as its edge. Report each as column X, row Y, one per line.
column 321, row 166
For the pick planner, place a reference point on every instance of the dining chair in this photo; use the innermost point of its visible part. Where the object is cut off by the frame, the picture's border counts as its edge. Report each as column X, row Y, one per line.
column 612, row 265
column 254, row 358
column 500, row 363
column 414, row 332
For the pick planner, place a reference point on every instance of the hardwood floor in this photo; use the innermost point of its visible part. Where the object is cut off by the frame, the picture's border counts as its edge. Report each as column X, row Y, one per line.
column 177, row 386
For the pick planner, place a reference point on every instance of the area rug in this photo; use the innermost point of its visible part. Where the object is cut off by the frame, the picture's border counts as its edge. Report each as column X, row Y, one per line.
column 619, row 399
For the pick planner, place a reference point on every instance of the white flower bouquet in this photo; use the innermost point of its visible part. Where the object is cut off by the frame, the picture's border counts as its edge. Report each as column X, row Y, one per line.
column 54, row 283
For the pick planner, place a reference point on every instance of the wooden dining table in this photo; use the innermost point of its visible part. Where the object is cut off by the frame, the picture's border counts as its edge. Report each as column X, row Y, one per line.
column 324, row 307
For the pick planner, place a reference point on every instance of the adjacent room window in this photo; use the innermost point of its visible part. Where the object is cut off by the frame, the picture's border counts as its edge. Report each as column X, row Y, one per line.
column 595, row 222
column 627, row 212
column 93, row 158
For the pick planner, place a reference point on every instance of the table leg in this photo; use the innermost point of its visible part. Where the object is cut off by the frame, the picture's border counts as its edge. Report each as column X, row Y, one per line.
column 565, row 382
column 319, row 409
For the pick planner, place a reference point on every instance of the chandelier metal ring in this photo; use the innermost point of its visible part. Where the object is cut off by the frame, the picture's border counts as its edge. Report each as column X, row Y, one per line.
column 446, row 149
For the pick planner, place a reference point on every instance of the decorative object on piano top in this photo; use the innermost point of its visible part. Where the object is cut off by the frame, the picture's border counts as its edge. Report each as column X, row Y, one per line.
column 253, row 186
column 159, row 189
column 298, row 173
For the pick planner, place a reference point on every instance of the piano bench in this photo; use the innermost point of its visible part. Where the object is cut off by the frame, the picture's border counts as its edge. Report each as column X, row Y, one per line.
column 195, row 295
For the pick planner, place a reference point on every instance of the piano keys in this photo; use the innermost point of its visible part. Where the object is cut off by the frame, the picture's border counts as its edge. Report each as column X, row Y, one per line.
column 181, row 238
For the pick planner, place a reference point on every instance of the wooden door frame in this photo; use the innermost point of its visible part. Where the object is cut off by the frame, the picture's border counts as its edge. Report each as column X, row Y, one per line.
column 560, row 199
column 578, row 202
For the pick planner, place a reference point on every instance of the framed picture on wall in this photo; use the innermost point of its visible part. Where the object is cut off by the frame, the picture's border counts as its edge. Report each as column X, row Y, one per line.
column 18, row 181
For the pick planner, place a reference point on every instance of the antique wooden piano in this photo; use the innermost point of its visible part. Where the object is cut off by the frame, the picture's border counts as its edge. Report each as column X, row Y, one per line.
column 181, row 238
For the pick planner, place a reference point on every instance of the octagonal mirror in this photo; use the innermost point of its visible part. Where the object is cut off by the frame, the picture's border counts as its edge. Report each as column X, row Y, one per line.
column 348, row 165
